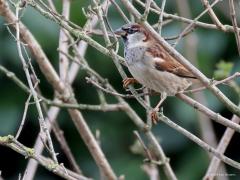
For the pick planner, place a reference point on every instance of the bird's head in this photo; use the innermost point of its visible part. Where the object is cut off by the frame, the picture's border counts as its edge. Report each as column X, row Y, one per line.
column 132, row 33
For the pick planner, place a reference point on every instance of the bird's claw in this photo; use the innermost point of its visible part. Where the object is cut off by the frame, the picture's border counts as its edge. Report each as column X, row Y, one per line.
column 128, row 81
column 154, row 116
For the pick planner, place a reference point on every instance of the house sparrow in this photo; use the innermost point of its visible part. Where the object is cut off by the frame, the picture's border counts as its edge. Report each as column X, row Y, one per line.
column 151, row 65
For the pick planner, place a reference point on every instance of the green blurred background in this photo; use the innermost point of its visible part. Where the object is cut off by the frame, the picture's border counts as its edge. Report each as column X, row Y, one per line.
column 188, row 160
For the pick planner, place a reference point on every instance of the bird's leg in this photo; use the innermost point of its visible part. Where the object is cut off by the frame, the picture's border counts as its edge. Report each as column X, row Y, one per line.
column 129, row 81
column 154, row 112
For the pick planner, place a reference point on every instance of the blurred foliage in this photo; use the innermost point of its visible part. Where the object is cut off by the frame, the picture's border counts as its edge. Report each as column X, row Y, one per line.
column 188, row 160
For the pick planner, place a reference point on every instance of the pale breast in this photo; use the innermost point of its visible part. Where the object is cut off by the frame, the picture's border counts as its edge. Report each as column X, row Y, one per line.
column 134, row 54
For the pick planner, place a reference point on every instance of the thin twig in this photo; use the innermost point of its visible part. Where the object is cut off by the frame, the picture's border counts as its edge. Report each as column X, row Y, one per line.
column 51, row 4
column 178, row 36
column 63, row 44
column 65, row 147
column 151, row 170
column 24, row 117
column 131, row 16
column 89, row 80
column 148, row 112
column 148, row 153
column 104, row 107
column 223, row 81
column 14, row 78
column 160, row 20
column 235, row 25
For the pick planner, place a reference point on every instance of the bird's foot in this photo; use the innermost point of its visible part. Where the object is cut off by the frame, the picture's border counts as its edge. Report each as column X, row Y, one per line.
column 154, row 115
column 129, row 81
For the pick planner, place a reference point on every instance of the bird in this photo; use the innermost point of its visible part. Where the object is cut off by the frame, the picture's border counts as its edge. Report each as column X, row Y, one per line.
column 152, row 65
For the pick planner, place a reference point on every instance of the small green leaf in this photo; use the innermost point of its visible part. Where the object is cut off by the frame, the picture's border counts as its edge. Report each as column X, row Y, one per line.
column 223, row 70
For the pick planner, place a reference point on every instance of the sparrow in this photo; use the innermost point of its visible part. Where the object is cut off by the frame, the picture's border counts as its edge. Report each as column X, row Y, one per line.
column 152, row 65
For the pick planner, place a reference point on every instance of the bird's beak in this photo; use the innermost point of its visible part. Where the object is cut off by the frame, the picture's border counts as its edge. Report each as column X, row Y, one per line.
column 120, row 32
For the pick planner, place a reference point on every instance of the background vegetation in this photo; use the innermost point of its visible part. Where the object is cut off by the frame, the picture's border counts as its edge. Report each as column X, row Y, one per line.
column 188, row 160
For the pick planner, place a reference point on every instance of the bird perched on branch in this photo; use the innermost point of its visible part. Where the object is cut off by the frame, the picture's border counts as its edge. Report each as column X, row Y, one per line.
column 151, row 65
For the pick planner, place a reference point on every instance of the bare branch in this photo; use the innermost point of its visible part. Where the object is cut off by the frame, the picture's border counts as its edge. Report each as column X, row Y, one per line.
column 223, row 81
column 63, row 44
column 222, row 146
column 198, row 141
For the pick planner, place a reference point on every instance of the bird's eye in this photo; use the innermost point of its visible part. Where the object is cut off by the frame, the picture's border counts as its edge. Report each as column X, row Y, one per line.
column 131, row 31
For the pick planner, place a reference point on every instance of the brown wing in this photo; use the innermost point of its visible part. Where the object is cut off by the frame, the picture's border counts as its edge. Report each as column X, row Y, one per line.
column 163, row 61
